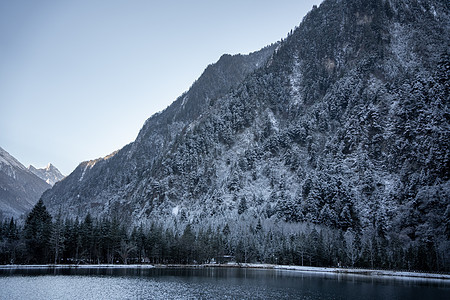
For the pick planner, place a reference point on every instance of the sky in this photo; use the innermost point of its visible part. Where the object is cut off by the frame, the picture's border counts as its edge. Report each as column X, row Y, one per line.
column 79, row 78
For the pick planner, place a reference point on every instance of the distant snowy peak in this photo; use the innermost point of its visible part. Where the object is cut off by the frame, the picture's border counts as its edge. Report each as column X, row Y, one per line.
column 49, row 174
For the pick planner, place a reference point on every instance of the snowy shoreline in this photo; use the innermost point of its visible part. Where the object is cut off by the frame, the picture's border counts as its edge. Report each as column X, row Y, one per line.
column 329, row 270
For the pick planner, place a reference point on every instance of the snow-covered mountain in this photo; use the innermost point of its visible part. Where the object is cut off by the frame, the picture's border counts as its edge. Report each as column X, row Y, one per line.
column 19, row 188
column 345, row 123
column 108, row 175
column 49, row 174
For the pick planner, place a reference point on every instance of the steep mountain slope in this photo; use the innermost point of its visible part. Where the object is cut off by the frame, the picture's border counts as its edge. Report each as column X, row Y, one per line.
column 19, row 188
column 101, row 185
column 345, row 125
column 49, row 174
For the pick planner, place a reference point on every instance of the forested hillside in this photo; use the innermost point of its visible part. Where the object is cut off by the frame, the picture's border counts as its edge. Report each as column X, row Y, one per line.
column 328, row 147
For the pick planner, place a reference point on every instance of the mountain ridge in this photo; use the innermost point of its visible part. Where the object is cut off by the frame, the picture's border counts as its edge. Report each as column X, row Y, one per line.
column 171, row 121
column 20, row 189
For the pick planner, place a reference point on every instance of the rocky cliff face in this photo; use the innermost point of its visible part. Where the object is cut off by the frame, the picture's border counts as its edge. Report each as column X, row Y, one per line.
column 19, row 188
column 344, row 124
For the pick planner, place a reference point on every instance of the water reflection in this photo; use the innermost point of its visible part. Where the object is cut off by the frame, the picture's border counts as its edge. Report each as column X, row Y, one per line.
column 207, row 283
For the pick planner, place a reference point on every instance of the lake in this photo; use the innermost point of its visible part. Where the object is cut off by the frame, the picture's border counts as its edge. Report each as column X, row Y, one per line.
column 208, row 283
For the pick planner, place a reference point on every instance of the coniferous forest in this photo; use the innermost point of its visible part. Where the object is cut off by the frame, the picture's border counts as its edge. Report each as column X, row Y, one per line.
column 43, row 240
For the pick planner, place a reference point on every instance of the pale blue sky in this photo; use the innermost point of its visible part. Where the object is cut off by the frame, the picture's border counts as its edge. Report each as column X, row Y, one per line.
column 79, row 78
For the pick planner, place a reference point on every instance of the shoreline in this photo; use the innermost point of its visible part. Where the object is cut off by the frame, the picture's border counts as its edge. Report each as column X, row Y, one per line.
column 305, row 269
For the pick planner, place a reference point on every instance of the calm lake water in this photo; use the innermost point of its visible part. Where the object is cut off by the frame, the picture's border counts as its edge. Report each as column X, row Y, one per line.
column 208, row 283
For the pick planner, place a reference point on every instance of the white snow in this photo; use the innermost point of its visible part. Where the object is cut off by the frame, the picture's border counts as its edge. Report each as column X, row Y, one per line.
column 185, row 99
column 90, row 164
column 49, row 174
column 82, row 174
column 295, row 79
column 175, row 210
column 84, row 171
column 273, row 120
column 433, row 10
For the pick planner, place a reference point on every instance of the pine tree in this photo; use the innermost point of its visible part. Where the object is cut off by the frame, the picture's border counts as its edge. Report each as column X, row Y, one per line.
column 187, row 245
column 57, row 237
column 242, row 206
column 37, row 233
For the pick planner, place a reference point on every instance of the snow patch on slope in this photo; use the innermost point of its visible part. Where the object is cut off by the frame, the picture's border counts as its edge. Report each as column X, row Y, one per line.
column 295, row 79
column 175, row 210
column 273, row 120
column 401, row 46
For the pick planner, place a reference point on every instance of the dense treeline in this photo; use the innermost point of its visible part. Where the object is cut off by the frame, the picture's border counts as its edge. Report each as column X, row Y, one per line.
column 44, row 239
